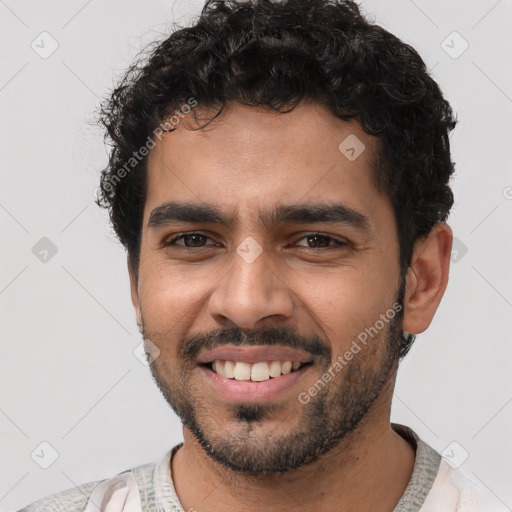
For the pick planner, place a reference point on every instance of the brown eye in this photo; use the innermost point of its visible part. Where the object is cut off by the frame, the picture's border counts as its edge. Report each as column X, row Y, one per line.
column 190, row 240
column 321, row 241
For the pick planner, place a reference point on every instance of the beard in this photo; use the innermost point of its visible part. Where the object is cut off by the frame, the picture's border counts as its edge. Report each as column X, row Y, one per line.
column 246, row 445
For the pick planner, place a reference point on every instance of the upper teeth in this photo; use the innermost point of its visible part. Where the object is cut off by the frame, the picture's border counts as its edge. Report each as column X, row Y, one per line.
column 256, row 371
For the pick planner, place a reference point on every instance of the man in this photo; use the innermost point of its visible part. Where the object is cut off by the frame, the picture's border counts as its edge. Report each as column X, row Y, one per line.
column 279, row 177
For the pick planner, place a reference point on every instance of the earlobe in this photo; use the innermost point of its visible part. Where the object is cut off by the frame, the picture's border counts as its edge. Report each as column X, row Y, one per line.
column 427, row 278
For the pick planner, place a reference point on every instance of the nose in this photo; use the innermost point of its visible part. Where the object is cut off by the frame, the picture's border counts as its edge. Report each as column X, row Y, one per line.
column 250, row 292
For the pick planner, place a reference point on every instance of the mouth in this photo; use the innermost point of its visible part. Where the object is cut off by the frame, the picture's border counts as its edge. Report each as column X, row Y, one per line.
column 256, row 372
column 244, row 386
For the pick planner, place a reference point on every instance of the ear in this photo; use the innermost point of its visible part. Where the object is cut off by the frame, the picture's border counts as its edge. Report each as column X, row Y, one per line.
column 427, row 278
column 134, row 291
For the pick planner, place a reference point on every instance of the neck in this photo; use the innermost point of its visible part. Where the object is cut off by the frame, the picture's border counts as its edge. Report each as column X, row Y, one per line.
column 368, row 471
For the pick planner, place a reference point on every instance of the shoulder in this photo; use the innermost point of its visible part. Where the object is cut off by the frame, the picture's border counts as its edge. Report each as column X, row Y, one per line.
column 70, row 500
column 115, row 494
column 453, row 490
column 132, row 490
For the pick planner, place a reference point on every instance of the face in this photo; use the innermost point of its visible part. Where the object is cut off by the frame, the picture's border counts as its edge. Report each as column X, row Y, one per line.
column 264, row 242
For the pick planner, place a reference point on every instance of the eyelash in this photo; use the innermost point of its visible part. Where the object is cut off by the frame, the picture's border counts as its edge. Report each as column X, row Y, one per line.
column 339, row 243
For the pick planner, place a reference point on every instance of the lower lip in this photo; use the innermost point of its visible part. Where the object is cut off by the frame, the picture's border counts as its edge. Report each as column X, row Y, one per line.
column 249, row 391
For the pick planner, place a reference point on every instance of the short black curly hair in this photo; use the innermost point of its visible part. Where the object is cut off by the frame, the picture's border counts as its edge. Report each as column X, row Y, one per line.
column 276, row 54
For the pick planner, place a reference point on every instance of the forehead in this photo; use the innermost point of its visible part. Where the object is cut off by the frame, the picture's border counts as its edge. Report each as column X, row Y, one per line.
column 249, row 156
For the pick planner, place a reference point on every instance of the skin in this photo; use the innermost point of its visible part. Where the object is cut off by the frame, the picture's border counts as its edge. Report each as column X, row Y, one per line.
column 253, row 159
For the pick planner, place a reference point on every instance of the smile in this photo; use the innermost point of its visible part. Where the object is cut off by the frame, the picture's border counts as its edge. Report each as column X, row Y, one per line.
column 256, row 372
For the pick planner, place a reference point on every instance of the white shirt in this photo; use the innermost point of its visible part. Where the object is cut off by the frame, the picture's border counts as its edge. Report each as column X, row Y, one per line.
column 434, row 487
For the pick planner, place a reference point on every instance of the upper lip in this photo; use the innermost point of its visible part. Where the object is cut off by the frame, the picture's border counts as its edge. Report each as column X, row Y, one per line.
column 253, row 354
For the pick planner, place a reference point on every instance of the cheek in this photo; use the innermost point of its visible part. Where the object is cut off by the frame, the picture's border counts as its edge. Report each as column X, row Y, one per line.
column 173, row 296
column 344, row 304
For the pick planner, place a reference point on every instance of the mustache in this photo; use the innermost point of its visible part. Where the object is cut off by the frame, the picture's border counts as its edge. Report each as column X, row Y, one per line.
column 190, row 347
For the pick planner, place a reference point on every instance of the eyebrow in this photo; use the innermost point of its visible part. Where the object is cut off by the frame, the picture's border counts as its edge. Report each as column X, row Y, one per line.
column 175, row 212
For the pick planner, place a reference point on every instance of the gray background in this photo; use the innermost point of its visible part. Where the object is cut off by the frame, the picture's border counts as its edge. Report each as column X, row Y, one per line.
column 68, row 373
